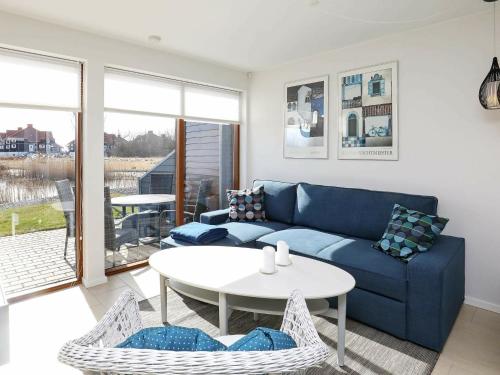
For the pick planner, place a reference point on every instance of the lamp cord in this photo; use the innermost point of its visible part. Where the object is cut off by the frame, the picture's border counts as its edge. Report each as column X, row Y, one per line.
column 494, row 30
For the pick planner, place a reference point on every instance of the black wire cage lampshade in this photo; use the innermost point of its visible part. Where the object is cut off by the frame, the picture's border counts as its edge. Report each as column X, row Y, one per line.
column 489, row 92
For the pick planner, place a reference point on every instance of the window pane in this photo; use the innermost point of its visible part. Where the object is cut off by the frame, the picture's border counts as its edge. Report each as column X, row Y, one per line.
column 32, row 80
column 137, row 92
column 208, row 168
column 212, row 103
column 139, row 166
column 37, row 201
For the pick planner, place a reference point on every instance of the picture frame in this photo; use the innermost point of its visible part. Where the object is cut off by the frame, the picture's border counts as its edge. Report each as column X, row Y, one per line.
column 368, row 113
column 306, row 122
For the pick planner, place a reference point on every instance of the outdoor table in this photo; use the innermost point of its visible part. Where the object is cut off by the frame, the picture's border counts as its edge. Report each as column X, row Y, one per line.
column 138, row 200
column 141, row 200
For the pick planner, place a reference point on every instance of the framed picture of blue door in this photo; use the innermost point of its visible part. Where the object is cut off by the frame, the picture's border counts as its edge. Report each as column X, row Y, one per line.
column 306, row 119
column 368, row 113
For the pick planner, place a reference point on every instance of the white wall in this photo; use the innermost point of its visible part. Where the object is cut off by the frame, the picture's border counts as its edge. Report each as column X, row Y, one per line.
column 449, row 145
column 96, row 52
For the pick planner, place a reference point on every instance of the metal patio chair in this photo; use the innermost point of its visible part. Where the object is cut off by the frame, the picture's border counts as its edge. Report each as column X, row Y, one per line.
column 195, row 204
column 118, row 232
column 67, row 199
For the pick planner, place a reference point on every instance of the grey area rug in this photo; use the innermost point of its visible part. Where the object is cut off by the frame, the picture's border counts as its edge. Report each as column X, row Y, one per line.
column 368, row 351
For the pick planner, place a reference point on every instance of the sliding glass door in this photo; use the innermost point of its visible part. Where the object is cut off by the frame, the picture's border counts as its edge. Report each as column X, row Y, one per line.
column 151, row 184
column 39, row 127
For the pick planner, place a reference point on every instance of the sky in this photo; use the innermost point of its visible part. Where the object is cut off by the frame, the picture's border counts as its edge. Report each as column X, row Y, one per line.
column 62, row 124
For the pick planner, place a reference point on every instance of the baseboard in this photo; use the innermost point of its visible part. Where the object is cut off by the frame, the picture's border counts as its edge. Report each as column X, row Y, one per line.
column 94, row 282
column 482, row 304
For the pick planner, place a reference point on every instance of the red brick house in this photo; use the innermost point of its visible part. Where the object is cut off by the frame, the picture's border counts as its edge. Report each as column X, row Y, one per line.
column 27, row 141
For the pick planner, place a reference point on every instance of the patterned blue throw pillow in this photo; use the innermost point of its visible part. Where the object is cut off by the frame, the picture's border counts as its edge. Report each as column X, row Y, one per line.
column 263, row 339
column 173, row 338
column 246, row 205
column 409, row 232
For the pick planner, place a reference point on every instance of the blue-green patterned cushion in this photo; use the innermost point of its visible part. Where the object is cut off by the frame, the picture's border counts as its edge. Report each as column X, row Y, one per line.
column 409, row 232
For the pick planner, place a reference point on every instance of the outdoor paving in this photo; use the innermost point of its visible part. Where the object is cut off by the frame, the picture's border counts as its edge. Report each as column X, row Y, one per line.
column 35, row 260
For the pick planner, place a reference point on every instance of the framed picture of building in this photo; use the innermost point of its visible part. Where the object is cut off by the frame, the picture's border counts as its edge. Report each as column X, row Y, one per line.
column 368, row 113
column 306, row 119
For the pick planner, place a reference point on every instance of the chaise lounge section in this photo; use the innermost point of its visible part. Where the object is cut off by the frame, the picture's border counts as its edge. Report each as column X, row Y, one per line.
column 418, row 301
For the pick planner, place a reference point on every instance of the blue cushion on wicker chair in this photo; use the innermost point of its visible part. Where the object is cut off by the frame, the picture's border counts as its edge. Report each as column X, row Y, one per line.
column 173, row 338
column 263, row 339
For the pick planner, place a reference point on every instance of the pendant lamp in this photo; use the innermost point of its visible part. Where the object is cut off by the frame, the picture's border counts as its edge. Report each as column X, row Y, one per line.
column 489, row 92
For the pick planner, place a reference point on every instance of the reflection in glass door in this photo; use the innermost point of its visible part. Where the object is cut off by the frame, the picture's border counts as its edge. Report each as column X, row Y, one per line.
column 209, row 167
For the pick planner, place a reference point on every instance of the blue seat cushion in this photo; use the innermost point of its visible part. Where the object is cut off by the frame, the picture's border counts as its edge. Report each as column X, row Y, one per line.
column 373, row 270
column 239, row 234
column 263, row 339
column 279, row 199
column 242, row 233
column 173, row 338
column 300, row 239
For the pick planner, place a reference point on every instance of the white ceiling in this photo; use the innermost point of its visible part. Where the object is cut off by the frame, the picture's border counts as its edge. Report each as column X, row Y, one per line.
column 249, row 35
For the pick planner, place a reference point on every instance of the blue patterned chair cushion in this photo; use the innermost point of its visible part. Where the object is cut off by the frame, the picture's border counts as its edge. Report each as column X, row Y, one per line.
column 410, row 232
column 263, row 339
column 173, row 338
column 246, row 205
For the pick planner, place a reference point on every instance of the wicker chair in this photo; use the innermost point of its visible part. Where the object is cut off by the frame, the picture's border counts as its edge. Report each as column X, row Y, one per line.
column 95, row 352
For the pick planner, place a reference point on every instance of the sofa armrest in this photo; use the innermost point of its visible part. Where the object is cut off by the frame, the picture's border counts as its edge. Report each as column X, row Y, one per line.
column 215, row 217
column 436, row 288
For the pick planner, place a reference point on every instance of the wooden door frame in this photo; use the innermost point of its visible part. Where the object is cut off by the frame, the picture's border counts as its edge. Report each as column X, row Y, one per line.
column 180, row 170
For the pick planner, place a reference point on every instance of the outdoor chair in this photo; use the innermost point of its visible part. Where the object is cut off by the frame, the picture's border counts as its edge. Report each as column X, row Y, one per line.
column 195, row 203
column 118, row 232
column 67, row 199
column 96, row 353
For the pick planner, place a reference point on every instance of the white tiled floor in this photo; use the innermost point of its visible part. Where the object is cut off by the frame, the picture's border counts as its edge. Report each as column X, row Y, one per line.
column 41, row 325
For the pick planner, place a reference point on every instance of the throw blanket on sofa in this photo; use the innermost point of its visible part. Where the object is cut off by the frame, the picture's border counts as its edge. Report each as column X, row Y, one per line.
column 198, row 233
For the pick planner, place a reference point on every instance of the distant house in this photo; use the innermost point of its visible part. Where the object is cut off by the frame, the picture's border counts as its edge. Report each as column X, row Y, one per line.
column 111, row 141
column 22, row 142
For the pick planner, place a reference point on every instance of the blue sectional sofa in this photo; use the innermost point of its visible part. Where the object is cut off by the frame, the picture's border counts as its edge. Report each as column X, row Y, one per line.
column 418, row 301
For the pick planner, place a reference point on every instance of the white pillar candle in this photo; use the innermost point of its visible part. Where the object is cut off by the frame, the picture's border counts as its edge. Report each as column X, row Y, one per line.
column 283, row 255
column 268, row 261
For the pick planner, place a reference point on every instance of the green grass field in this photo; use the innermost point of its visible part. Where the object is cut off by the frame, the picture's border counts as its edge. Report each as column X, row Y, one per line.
column 31, row 219
column 38, row 217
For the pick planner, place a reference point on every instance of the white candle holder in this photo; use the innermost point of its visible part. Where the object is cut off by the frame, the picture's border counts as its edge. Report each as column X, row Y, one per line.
column 283, row 254
column 268, row 260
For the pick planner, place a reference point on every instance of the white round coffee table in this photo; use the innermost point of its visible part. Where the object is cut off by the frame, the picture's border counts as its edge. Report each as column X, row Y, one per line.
column 229, row 277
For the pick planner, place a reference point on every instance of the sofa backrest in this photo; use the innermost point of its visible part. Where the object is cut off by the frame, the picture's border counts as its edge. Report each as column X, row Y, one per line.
column 353, row 212
column 279, row 200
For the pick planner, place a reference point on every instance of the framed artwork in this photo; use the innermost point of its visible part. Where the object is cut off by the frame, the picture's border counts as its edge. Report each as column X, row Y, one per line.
column 368, row 113
column 306, row 119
